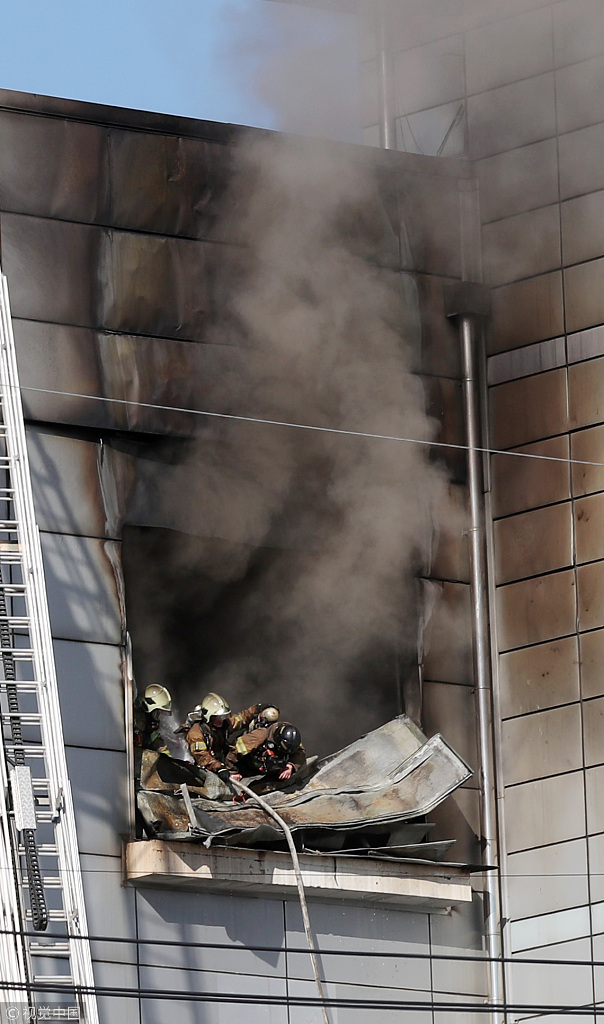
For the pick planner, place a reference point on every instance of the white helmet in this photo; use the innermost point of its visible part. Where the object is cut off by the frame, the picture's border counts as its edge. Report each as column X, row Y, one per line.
column 157, row 698
column 213, row 705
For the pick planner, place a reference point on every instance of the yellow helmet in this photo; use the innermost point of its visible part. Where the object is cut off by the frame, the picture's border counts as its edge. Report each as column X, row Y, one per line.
column 157, row 698
column 213, row 705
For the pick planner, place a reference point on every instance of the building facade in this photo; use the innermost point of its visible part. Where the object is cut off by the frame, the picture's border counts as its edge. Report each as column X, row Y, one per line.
column 118, row 251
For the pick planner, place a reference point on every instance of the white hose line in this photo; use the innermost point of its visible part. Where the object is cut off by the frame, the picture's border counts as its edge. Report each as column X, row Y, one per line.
column 301, row 894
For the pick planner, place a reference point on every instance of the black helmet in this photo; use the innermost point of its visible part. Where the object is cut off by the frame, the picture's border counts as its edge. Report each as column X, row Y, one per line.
column 287, row 737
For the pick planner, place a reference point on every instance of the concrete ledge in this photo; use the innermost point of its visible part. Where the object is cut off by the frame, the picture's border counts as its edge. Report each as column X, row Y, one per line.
column 269, row 874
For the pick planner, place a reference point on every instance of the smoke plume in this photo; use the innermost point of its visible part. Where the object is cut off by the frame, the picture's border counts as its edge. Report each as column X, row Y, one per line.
column 299, row 586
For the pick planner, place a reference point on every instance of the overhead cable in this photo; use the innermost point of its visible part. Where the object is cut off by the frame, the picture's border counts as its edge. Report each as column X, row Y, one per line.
column 265, row 421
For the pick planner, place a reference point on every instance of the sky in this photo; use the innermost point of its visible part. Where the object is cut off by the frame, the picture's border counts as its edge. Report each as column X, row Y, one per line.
column 251, row 62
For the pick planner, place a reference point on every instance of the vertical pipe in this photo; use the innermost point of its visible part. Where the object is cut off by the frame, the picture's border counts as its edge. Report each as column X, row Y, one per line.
column 385, row 75
column 481, row 657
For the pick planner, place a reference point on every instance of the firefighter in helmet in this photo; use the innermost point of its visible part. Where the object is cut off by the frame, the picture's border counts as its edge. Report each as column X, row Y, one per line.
column 273, row 749
column 148, row 709
column 155, row 701
column 208, row 727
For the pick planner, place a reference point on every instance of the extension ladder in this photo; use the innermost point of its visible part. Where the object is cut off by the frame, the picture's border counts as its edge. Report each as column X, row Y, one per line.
column 40, row 874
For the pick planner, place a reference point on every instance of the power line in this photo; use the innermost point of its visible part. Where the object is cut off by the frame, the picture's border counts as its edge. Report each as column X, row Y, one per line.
column 264, row 421
column 337, row 1002
column 515, row 961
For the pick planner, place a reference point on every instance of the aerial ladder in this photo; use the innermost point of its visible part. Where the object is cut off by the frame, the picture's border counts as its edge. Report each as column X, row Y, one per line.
column 45, row 957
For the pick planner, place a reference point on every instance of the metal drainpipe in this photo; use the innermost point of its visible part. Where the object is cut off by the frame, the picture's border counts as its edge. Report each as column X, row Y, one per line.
column 387, row 119
column 469, row 303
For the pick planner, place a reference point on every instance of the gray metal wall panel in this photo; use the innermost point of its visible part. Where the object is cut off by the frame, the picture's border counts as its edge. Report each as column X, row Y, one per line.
column 60, row 359
column 533, row 542
column 582, row 227
column 593, row 730
column 536, row 610
column 82, row 591
column 427, row 76
column 156, row 285
column 584, row 303
column 459, row 816
column 440, row 349
column 507, row 256
column 581, row 169
column 586, row 389
column 523, row 483
column 110, row 909
column 129, row 368
column 448, row 637
column 545, row 985
column 65, row 479
column 234, row 921
column 525, row 312
column 53, row 168
column 451, row 710
column 90, row 678
column 578, row 30
column 56, row 270
column 99, row 785
column 547, row 879
column 511, row 116
column 451, row 560
column 594, row 790
column 459, row 933
column 590, row 595
column 577, row 89
column 591, row 646
column 587, row 446
column 598, row 955
column 509, row 50
column 104, row 278
column 430, row 218
column 122, row 1008
column 161, row 183
column 539, row 677
column 336, row 926
column 596, row 866
column 544, row 812
column 518, row 180
column 546, row 743
column 529, row 409
column 521, row 362
column 536, row 932
column 210, row 983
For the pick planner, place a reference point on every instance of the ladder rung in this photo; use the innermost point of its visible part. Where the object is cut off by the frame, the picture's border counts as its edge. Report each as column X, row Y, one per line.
column 55, row 979
column 49, row 949
column 23, row 686
column 49, row 883
column 38, row 752
column 25, row 717
column 44, row 850
column 53, row 915
column 16, row 620
column 18, row 653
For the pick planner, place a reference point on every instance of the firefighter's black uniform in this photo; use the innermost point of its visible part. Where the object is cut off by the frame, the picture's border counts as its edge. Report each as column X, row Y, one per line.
column 256, row 753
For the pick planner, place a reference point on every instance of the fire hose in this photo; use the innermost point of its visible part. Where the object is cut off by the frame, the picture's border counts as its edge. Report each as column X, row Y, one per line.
column 299, row 882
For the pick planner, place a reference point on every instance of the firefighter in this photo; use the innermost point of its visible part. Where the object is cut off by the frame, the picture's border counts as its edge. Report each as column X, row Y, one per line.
column 268, row 750
column 208, row 728
column 147, row 711
column 156, row 701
